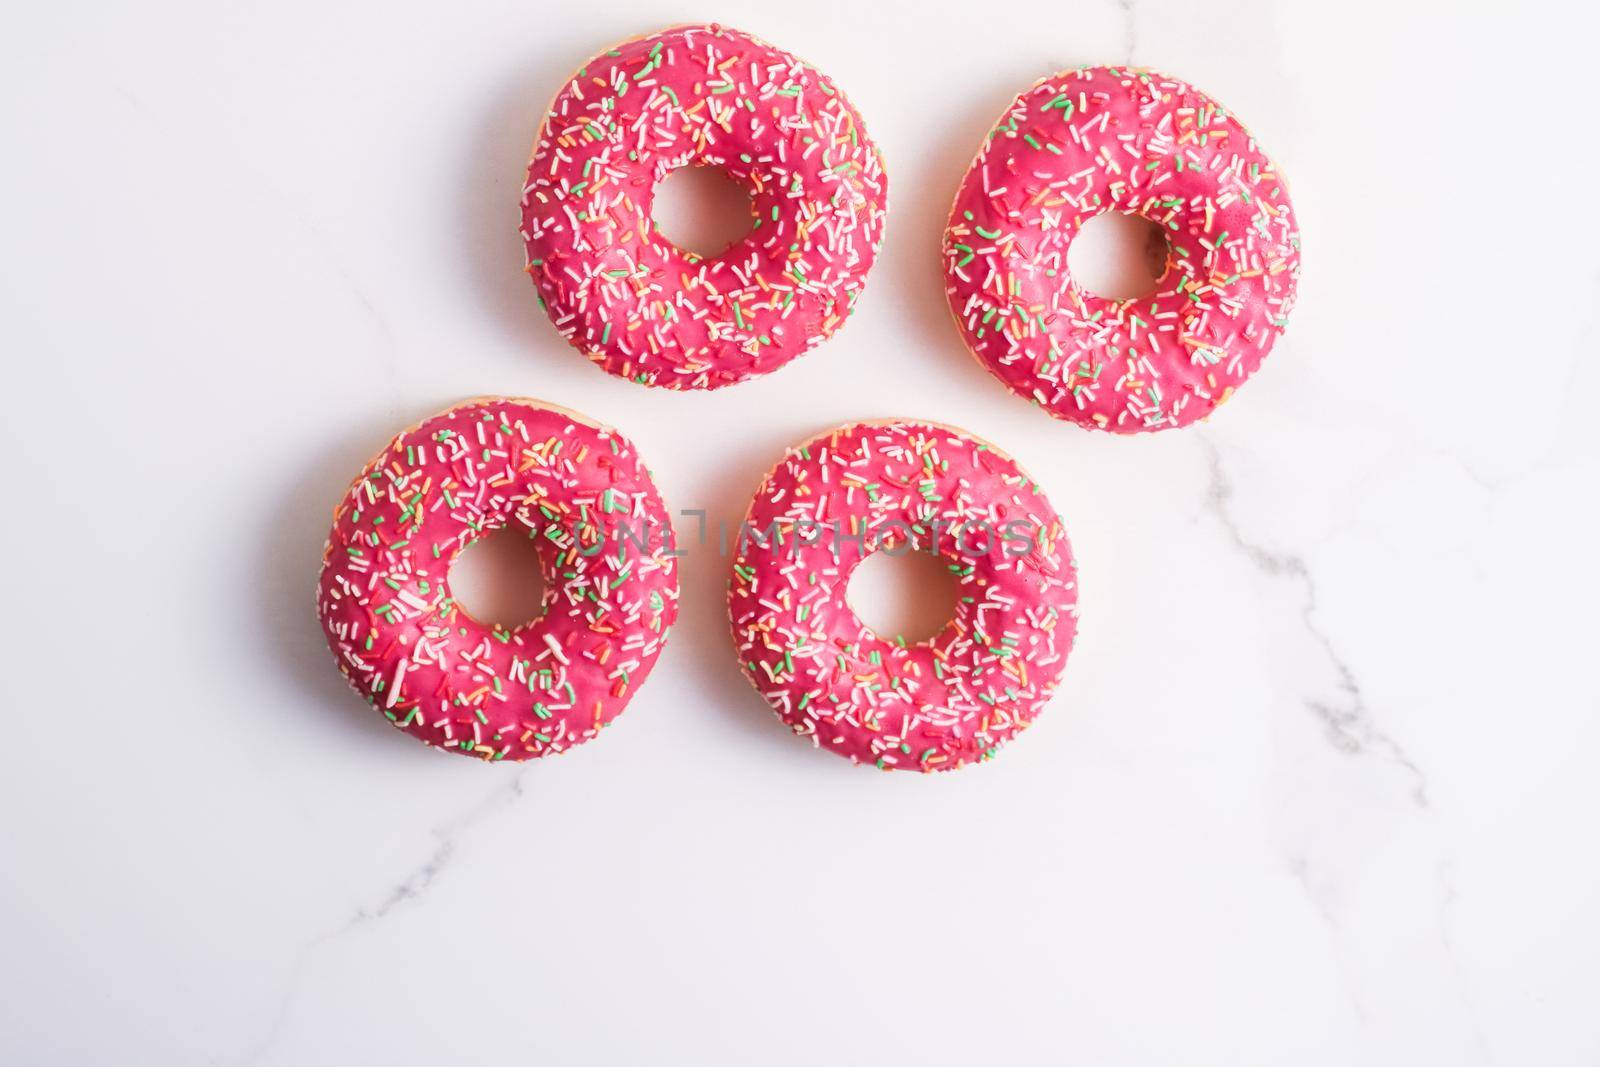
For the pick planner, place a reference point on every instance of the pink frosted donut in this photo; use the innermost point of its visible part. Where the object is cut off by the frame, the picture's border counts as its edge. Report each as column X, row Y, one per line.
column 939, row 704
column 605, row 545
column 1103, row 139
column 632, row 301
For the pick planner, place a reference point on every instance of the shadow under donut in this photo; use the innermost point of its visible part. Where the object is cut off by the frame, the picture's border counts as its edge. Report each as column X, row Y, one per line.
column 491, row 190
column 285, row 585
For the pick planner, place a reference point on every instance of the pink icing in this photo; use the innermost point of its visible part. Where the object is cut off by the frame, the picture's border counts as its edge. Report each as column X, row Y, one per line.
column 438, row 674
column 1110, row 139
column 629, row 299
column 939, row 704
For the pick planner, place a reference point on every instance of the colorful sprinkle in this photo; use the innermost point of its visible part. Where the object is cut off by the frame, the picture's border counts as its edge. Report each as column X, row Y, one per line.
column 1085, row 142
column 459, row 684
column 646, row 310
column 891, row 486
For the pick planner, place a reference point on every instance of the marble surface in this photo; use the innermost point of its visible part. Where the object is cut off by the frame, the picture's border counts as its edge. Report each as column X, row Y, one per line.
column 1320, row 785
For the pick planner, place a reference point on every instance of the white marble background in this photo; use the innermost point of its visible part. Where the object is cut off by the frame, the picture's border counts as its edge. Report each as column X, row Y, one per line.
column 1320, row 788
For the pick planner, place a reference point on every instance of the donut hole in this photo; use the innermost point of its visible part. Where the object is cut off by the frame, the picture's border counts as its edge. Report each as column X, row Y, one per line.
column 701, row 210
column 903, row 593
column 1117, row 256
column 498, row 580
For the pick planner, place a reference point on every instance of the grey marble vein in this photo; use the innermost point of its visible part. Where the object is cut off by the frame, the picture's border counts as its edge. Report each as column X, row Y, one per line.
column 414, row 886
column 1346, row 719
column 1350, row 728
column 409, row 890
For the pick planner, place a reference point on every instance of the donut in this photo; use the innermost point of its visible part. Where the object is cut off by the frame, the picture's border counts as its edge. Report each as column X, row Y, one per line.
column 605, row 546
column 1101, row 139
column 895, row 486
column 636, row 304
